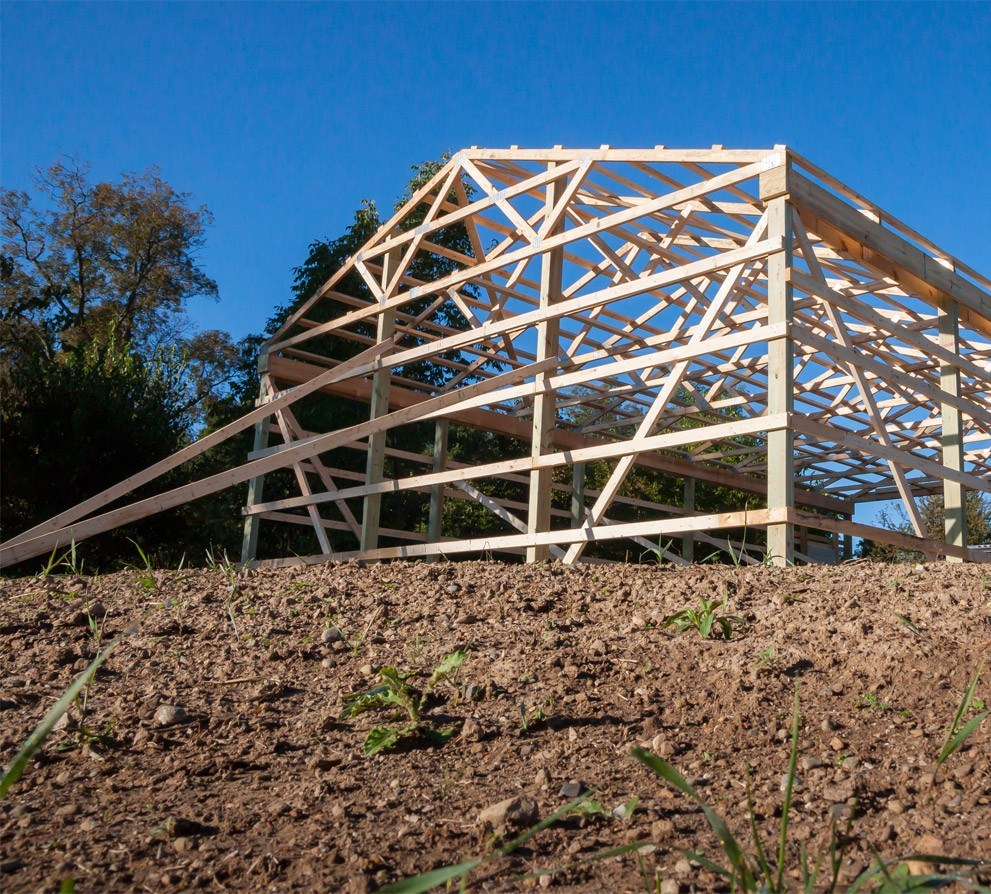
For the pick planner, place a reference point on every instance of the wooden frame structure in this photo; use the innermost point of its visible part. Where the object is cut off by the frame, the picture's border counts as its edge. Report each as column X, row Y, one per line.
column 735, row 317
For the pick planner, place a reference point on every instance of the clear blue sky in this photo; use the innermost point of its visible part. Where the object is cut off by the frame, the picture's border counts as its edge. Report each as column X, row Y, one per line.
column 282, row 117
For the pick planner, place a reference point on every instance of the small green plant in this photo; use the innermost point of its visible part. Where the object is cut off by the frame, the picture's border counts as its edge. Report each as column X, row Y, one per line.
column 659, row 552
column 229, row 570
column 703, row 619
column 766, row 659
column 956, row 735
column 406, row 702
column 534, row 718
column 67, row 563
column 593, row 809
column 764, row 872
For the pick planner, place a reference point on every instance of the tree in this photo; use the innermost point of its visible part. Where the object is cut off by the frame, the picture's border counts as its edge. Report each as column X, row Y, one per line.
column 83, row 259
column 75, row 425
column 101, row 372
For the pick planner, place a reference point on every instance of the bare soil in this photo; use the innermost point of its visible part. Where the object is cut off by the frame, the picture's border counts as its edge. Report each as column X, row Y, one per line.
column 212, row 756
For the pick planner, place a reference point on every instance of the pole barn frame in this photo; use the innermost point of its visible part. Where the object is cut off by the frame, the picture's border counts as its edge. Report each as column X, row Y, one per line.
column 732, row 317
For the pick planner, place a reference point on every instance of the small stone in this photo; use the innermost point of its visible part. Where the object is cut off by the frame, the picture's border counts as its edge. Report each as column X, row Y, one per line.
column 471, row 730
column 661, row 829
column 622, row 811
column 366, row 670
column 89, row 825
column 182, row 844
column 598, row 647
column 827, row 725
column 464, row 621
column 662, row 747
column 837, row 689
column 682, row 867
column 63, row 778
column 841, row 811
column 963, row 771
column 474, row 692
column 796, row 783
column 328, row 662
column 67, row 810
column 98, row 611
column 926, row 845
column 168, row 715
column 571, row 790
column 66, row 721
column 811, row 763
column 895, row 806
column 513, row 812
column 452, row 589
column 140, row 737
column 837, row 744
column 670, row 886
column 838, row 793
column 546, row 881
column 542, row 778
column 331, row 635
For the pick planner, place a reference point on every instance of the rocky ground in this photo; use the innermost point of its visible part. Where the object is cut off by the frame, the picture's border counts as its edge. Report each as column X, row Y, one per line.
column 212, row 753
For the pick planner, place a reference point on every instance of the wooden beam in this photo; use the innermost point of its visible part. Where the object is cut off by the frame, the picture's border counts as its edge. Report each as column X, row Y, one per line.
column 487, row 420
column 951, row 434
column 545, row 401
column 853, row 233
column 381, row 381
column 256, row 486
column 780, row 382
column 436, row 517
column 688, row 541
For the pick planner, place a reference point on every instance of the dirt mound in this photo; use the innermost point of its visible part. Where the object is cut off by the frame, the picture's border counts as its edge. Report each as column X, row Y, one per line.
column 213, row 754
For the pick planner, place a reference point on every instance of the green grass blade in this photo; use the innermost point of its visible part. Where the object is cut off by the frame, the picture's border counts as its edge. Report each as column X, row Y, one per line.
column 669, row 774
column 789, row 788
column 427, row 881
column 765, row 867
column 44, row 729
column 948, row 746
column 954, row 744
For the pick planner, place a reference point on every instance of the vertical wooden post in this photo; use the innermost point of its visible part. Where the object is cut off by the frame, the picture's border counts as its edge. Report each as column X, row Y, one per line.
column 846, row 547
column 545, row 404
column 381, row 380
column 954, row 508
column 577, row 495
column 781, row 364
column 688, row 541
column 249, row 542
column 437, row 491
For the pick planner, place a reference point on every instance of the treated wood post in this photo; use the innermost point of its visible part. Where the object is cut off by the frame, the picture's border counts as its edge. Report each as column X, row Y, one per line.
column 688, row 541
column 544, row 404
column 954, row 508
column 781, row 364
column 577, row 495
column 437, row 491
column 256, row 486
column 381, row 381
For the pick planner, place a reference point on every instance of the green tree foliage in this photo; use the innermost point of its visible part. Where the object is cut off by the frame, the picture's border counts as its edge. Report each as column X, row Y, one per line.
column 81, row 422
column 101, row 372
column 978, row 512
